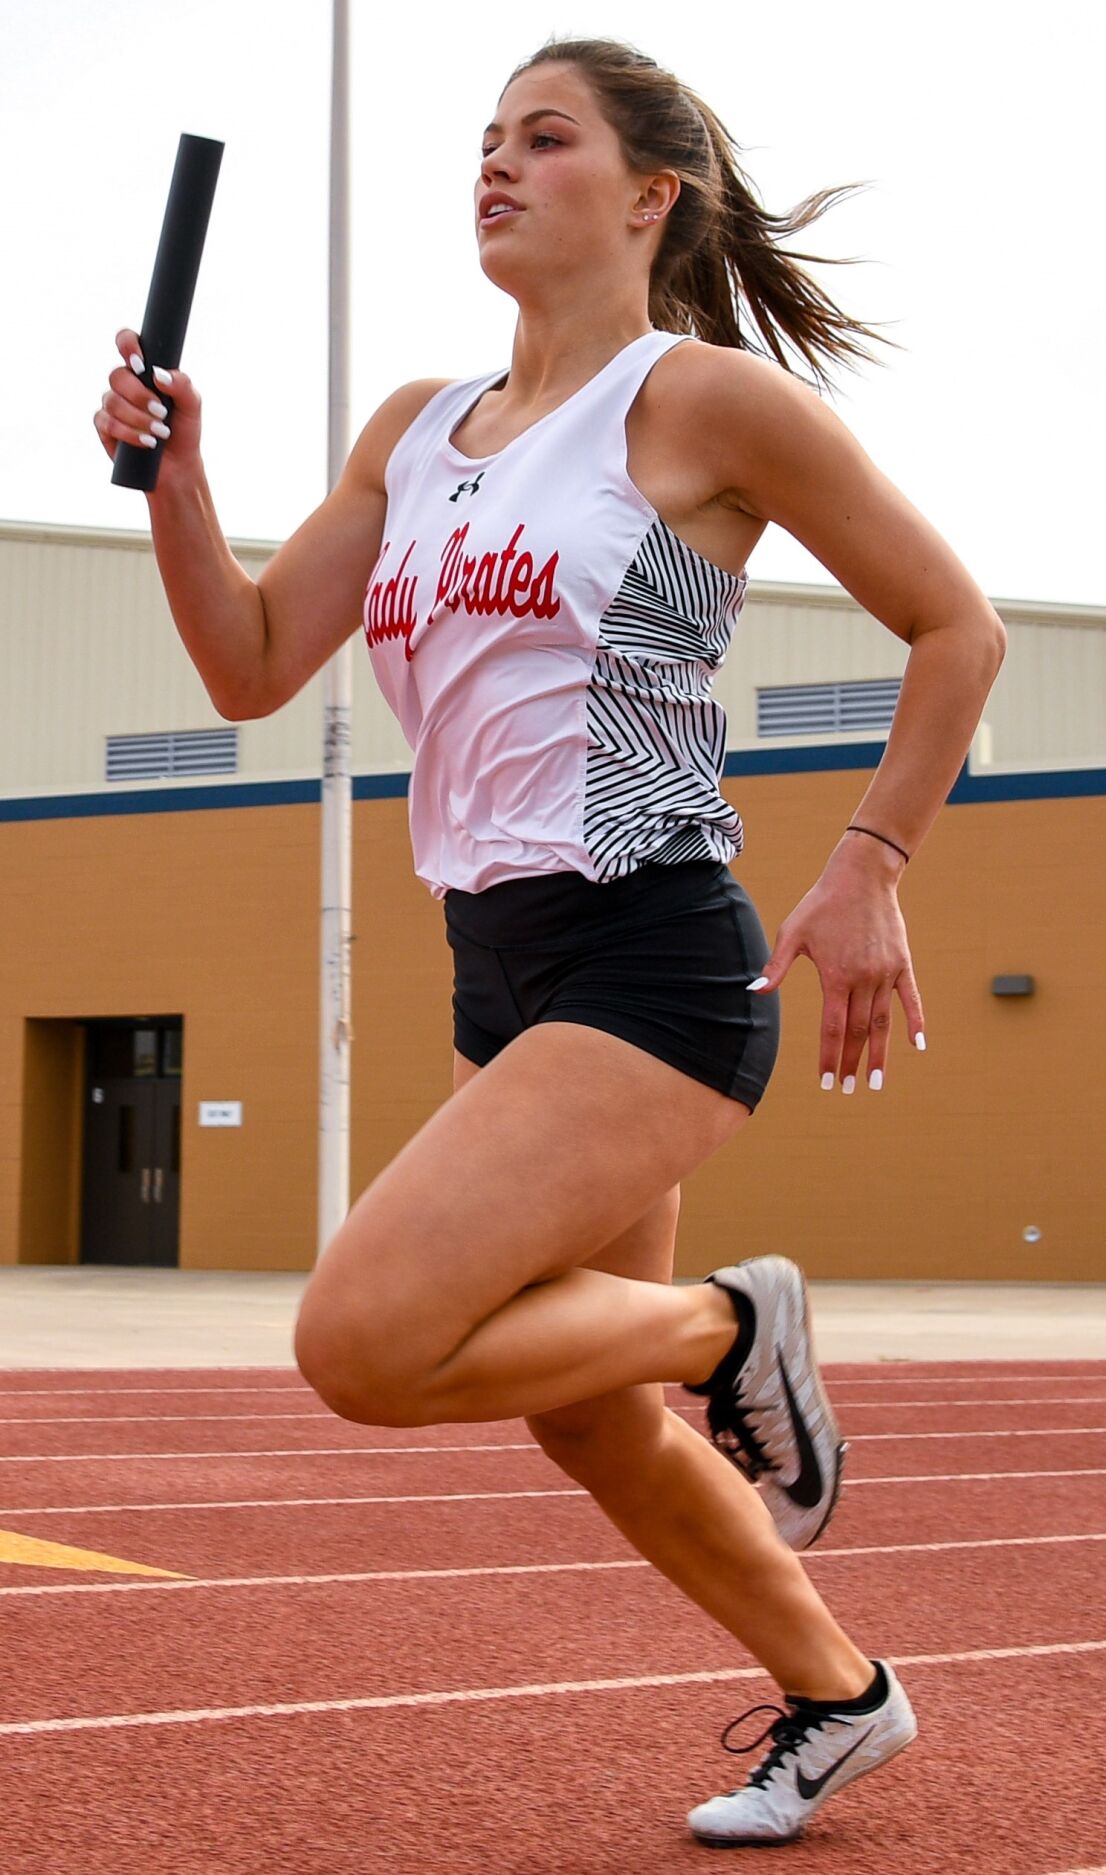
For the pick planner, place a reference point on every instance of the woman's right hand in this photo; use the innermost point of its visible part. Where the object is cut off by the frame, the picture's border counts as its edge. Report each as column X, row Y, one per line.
column 125, row 414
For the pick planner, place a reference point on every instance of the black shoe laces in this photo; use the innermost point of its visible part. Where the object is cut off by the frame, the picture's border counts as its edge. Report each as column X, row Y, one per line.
column 732, row 1430
column 788, row 1732
column 729, row 1414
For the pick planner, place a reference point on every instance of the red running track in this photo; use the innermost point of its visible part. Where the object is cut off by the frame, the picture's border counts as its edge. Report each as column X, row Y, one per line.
column 409, row 1652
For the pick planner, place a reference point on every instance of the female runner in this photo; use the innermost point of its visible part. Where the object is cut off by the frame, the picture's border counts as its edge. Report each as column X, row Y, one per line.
column 549, row 562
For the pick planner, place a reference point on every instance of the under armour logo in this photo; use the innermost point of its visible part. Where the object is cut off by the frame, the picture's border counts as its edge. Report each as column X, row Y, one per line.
column 468, row 488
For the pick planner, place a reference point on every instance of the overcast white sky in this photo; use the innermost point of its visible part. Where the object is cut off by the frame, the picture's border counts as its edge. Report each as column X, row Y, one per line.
column 974, row 120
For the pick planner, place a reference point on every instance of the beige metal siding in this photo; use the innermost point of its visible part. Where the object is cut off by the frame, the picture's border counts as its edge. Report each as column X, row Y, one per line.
column 290, row 743
column 1048, row 705
column 91, row 651
column 88, row 649
column 785, row 636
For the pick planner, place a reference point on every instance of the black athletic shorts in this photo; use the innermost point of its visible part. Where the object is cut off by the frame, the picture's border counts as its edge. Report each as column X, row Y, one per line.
column 662, row 958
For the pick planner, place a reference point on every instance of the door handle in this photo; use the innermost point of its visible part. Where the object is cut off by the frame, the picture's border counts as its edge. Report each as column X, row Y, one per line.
column 145, row 1184
column 157, row 1185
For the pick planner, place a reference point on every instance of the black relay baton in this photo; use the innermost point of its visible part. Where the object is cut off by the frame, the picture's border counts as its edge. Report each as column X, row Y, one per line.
column 165, row 320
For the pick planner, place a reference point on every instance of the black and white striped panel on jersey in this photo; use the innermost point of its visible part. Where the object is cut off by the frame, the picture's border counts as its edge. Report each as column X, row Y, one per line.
column 656, row 736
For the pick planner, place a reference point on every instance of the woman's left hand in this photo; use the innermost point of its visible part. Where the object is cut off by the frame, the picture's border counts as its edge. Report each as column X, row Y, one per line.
column 851, row 927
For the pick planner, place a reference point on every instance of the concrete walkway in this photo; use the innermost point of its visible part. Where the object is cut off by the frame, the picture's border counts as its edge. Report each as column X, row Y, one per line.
column 92, row 1317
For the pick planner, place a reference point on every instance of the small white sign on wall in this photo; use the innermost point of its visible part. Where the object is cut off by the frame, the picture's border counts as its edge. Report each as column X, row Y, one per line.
column 220, row 1113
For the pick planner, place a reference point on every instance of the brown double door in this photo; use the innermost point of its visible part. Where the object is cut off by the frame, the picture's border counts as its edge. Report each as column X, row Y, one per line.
column 131, row 1181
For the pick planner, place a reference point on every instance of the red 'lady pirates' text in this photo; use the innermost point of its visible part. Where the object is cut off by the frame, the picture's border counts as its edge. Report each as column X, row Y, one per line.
column 483, row 585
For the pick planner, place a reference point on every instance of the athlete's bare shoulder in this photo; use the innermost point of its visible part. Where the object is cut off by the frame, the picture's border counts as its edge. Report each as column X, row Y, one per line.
column 694, row 378
column 694, row 400
column 369, row 455
column 729, row 409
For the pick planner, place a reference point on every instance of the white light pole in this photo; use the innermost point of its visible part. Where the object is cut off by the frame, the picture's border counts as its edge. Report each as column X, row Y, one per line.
column 335, row 1031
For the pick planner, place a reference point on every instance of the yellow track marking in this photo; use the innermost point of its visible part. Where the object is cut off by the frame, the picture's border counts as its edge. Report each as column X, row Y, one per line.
column 36, row 1554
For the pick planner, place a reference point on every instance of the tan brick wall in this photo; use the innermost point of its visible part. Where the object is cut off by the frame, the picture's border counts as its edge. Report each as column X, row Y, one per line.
column 213, row 916
column 53, row 1076
column 999, row 1125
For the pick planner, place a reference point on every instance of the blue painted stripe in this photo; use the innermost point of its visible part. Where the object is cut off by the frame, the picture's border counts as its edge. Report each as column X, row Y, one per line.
column 380, row 787
column 1054, row 784
column 194, row 799
column 158, row 800
column 1051, row 784
column 809, row 759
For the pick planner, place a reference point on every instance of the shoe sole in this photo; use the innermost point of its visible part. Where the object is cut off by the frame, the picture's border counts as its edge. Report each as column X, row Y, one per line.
column 842, row 1445
column 776, row 1842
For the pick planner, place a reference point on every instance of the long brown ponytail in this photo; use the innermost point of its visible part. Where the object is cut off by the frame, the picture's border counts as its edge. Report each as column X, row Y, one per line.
column 719, row 263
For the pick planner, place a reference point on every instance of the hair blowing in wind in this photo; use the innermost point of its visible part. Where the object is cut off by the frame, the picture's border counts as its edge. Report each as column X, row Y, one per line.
column 720, row 269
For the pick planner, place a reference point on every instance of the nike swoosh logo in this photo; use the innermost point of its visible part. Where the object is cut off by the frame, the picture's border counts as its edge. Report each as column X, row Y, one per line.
column 806, row 1491
column 809, row 1787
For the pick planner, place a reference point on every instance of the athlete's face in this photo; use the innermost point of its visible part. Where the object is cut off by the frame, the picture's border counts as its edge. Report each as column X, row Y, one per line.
column 552, row 152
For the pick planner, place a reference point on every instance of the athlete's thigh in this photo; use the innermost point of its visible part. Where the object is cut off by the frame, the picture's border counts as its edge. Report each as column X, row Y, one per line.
column 542, row 1159
column 646, row 1250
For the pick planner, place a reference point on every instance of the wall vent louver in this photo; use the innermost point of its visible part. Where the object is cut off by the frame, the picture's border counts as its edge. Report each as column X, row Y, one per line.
column 176, row 752
column 826, row 709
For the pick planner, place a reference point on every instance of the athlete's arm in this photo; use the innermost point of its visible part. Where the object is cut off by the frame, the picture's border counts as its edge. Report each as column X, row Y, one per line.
column 778, row 451
column 313, row 587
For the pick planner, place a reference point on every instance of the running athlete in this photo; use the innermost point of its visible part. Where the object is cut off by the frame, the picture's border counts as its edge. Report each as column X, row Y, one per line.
column 549, row 561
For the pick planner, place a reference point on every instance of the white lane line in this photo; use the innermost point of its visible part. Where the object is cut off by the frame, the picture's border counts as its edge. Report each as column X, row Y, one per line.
column 282, row 1503
column 984, row 1375
column 498, row 1569
column 293, row 1451
column 972, row 1477
column 116, row 1393
column 882, row 1406
column 522, row 1445
column 1017, row 1432
column 332, row 1578
column 470, row 1497
column 321, row 1413
column 984, row 1542
column 117, row 1721
column 152, row 1419
column 695, row 1414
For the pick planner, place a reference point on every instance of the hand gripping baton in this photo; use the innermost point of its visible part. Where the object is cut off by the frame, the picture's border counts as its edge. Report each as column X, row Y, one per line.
column 165, row 321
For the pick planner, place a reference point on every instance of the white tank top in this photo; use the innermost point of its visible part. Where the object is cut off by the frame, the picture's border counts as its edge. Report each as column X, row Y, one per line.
column 548, row 645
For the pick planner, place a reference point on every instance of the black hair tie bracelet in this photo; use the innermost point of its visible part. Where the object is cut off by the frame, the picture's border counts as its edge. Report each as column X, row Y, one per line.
column 879, row 836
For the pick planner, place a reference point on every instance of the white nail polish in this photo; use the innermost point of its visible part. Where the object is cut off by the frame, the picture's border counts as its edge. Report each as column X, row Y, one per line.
column 827, row 1081
column 920, row 1041
column 147, row 441
column 758, row 983
column 875, row 1080
column 157, row 409
column 160, row 429
column 848, row 1085
column 136, row 364
column 163, row 377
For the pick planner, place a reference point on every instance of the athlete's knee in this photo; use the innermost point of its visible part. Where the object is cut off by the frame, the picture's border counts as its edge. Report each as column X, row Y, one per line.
column 354, row 1362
